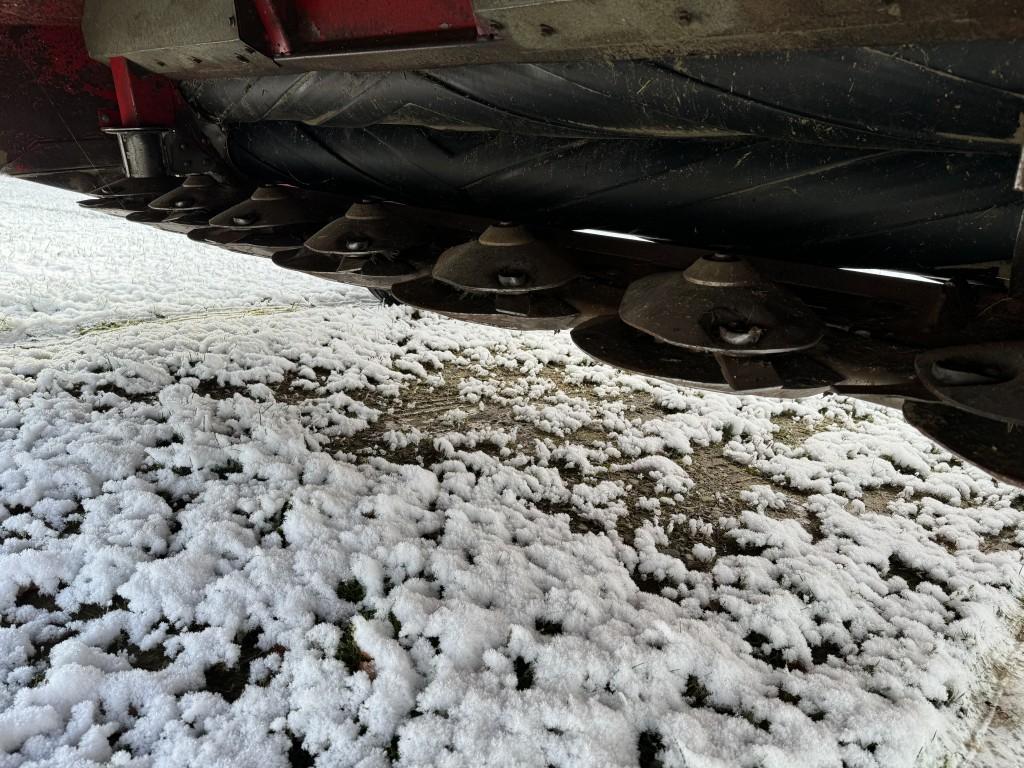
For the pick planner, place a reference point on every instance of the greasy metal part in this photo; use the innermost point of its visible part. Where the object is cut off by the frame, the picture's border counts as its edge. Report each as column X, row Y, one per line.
column 719, row 305
column 375, row 272
column 369, row 229
column 994, row 446
column 546, row 310
column 201, row 192
column 142, row 152
column 505, row 259
column 262, row 243
column 609, row 340
column 183, row 155
column 984, row 379
column 203, row 38
column 272, row 207
column 155, row 152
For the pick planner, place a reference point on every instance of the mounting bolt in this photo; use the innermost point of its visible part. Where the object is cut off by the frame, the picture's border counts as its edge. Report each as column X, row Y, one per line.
column 740, row 334
column 512, row 278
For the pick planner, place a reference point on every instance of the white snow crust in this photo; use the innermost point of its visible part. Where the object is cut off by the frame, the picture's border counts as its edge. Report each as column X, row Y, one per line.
column 250, row 518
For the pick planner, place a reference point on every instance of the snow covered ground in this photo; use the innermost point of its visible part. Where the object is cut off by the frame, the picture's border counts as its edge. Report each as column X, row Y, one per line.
column 249, row 518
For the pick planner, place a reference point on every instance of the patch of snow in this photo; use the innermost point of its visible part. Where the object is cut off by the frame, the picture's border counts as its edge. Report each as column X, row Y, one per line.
column 348, row 535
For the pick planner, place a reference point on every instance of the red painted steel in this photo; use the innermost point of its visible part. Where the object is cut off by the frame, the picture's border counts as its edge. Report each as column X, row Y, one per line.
column 143, row 99
column 326, row 21
column 50, row 13
column 273, row 25
column 296, row 26
column 52, row 92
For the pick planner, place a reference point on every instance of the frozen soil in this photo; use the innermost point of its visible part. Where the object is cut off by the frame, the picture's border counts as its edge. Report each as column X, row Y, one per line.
column 284, row 525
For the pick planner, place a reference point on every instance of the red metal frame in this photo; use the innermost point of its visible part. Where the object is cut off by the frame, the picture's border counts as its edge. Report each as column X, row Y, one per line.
column 277, row 37
column 143, row 100
column 298, row 26
column 52, row 90
column 50, row 13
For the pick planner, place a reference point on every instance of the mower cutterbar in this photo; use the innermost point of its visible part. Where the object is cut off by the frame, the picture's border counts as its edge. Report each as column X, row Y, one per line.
column 445, row 151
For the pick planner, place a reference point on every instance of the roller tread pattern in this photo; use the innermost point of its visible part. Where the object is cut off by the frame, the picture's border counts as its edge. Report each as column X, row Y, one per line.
column 901, row 157
column 818, row 203
column 943, row 98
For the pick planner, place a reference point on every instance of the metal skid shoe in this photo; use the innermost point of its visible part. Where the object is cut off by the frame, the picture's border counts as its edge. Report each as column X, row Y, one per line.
column 980, row 413
column 506, row 278
column 716, row 326
column 372, row 246
column 189, row 206
column 129, row 195
column 145, row 175
column 272, row 220
column 201, row 193
column 115, row 206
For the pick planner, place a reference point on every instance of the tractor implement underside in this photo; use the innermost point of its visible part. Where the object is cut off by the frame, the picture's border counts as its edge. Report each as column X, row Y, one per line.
column 719, row 197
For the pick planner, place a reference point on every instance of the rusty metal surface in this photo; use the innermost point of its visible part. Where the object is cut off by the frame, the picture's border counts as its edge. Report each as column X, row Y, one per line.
column 992, row 445
column 984, row 379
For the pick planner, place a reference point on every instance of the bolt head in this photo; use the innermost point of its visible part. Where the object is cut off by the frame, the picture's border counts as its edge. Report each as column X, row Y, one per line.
column 738, row 334
column 513, row 278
